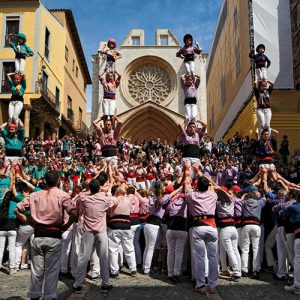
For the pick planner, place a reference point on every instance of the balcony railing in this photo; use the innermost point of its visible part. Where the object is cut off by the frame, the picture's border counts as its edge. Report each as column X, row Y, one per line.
column 82, row 126
column 13, row 38
column 70, row 114
column 5, row 87
column 41, row 88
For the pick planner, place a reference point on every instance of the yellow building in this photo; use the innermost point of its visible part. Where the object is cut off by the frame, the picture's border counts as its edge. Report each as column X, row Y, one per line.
column 57, row 74
column 230, row 99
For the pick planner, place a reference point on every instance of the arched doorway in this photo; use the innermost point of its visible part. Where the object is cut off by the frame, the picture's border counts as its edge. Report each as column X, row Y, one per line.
column 149, row 120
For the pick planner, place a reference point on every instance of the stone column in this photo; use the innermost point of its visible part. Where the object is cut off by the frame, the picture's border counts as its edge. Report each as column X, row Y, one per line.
column 41, row 127
column 27, row 121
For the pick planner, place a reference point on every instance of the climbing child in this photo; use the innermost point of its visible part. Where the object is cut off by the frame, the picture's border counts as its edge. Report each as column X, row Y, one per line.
column 18, row 86
column 110, row 82
column 262, row 62
column 188, row 53
column 21, row 51
column 190, row 85
column 111, row 56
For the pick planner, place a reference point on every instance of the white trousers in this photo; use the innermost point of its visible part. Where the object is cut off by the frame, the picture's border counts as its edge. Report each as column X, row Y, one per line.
column 151, row 234
column 11, row 235
column 190, row 111
column 24, row 234
column 20, row 65
column 140, row 185
column 45, row 266
column 136, row 232
column 176, row 240
column 109, row 107
column 222, row 254
column 264, row 116
column 150, row 184
column 124, row 238
column 14, row 110
column 205, row 240
column 86, row 247
column 281, row 252
column 190, row 67
column 290, row 241
column 261, row 245
column 250, row 234
column 191, row 163
column 67, row 238
column 261, row 73
column 94, row 259
column 131, row 181
column 297, row 263
column 269, row 244
column 229, row 239
column 239, row 231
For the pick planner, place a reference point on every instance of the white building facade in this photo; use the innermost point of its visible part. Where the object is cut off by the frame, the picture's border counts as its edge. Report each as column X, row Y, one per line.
column 150, row 100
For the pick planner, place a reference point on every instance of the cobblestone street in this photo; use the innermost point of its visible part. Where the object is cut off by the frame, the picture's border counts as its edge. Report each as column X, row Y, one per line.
column 142, row 287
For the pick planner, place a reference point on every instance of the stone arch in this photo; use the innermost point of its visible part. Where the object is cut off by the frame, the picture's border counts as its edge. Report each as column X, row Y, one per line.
column 150, row 121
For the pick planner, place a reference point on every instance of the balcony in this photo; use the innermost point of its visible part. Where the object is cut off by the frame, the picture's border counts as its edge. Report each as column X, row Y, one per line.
column 41, row 88
column 10, row 37
column 70, row 114
column 5, row 87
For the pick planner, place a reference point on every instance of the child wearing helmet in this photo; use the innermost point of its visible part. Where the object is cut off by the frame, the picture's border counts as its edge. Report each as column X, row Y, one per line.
column 111, row 55
column 22, row 51
column 262, row 62
column 188, row 53
column 18, row 86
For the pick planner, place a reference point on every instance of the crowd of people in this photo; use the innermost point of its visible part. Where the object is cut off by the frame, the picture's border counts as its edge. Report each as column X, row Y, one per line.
column 149, row 205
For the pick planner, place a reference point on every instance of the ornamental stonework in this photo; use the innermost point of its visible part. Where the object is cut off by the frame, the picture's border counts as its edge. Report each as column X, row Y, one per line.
column 149, row 82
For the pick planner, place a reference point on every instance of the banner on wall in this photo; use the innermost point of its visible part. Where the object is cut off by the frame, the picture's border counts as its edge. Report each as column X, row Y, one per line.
column 272, row 27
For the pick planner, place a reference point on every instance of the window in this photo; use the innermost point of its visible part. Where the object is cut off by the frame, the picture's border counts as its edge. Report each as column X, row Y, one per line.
column 164, row 40
column 76, row 72
column 73, row 65
column 47, row 43
column 57, row 95
column 80, row 118
column 45, row 79
column 8, row 67
column 69, row 102
column 12, row 29
column 66, row 53
column 135, row 40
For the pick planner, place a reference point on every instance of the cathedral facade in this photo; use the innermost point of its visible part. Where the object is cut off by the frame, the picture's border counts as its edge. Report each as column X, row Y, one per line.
column 150, row 100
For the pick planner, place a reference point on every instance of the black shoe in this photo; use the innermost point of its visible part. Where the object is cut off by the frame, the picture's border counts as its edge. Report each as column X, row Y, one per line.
column 269, row 269
column 244, row 274
column 175, row 279
column 35, row 298
column 255, row 275
column 114, row 275
column 133, row 273
column 106, row 288
column 77, row 290
column 66, row 275
column 283, row 278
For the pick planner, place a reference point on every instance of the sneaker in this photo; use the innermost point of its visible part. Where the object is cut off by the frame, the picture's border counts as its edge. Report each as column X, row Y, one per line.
column 244, row 274
column 24, row 267
column 255, row 275
column 175, row 279
column 269, row 269
column 106, row 288
column 153, row 272
column 95, row 277
column 12, row 272
column 77, row 290
column 200, row 289
column 283, row 278
column 292, row 289
column 225, row 273
column 114, row 275
column 133, row 273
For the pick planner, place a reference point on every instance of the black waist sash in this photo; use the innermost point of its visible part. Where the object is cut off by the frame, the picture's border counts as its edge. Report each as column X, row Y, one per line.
column 191, row 150
column 16, row 98
column 109, row 150
column 190, row 100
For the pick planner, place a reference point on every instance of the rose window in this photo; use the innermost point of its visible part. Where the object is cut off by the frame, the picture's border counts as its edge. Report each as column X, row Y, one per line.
column 149, row 82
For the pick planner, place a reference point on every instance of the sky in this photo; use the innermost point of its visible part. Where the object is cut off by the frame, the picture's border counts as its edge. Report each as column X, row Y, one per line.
column 99, row 20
